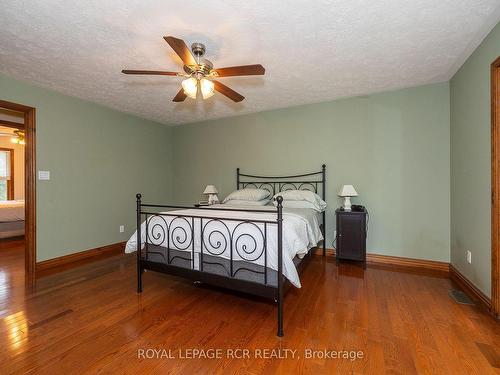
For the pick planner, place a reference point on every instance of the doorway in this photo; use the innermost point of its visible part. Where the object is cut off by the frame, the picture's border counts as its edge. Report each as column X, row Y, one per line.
column 495, row 187
column 23, row 134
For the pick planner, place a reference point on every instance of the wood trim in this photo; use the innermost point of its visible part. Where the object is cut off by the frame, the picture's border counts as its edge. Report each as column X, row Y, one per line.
column 15, row 106
column 77, row 259
column 10, row 183
column 29, row 187
column 495, row 187
column 12, row 124
column 401, row 262
column 328, row 252
column 30, row 193
column 469, row 288
column 421, row 264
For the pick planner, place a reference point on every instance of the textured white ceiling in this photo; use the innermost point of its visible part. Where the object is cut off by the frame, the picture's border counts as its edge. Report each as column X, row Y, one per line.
column 313, row 51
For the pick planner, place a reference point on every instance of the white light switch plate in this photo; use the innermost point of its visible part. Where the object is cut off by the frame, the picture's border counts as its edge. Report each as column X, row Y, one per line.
column 44, row 175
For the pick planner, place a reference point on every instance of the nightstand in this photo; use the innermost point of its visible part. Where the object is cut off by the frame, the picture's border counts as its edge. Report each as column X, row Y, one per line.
column 351, row 235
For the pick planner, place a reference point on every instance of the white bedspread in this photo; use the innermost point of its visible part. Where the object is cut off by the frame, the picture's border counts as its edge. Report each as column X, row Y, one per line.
column 11, row 210
column 301, row 231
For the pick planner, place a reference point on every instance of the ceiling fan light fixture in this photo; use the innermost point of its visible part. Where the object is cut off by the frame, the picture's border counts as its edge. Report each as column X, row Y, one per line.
column 190, row 87
column 18, row 137
column 207, row 88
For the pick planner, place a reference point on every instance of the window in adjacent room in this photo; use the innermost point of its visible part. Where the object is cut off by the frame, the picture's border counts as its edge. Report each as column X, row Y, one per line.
column 6, row 174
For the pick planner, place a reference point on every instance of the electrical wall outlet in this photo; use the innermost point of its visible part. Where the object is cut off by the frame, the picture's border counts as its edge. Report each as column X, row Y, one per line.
column 44, row 175
column 469, row 257
column 122, row 228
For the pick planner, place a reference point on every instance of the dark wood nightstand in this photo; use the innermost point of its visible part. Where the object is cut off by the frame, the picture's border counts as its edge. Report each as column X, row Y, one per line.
column 351, row 235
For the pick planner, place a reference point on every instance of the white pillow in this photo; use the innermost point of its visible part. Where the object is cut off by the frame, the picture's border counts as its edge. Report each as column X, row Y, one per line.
column 248, row 195
column 303, row 195
column 238, row 202
column 299, row 204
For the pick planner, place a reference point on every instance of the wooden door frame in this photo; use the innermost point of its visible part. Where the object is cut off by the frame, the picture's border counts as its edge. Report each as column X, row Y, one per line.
column 495, row 187
column 10, row 183
column 29, row 186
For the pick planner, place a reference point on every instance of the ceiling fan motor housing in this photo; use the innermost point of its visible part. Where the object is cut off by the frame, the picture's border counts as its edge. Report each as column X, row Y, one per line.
column 198, row 49
column 204, row 66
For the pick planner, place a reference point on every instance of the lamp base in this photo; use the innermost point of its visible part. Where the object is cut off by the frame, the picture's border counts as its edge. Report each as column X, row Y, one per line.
column 347, row 204
column 213, row 199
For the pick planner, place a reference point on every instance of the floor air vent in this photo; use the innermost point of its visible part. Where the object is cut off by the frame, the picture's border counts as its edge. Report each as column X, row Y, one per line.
column 460, row 297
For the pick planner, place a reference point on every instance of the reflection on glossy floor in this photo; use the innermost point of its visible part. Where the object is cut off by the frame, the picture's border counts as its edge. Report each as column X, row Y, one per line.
column 11, row 273
column 90, row 320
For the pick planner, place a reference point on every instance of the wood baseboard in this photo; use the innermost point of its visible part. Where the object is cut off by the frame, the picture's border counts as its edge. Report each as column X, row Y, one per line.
column 429, row 266
column 50, row 266
column 409, row 263
column 470, row 289
column 319, row 251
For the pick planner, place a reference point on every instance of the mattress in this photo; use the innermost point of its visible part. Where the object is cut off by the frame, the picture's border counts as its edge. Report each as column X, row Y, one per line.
column 11, row 210
column 237, row 230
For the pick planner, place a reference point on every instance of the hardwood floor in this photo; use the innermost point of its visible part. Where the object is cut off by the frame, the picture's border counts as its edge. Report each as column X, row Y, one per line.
column 90, row 320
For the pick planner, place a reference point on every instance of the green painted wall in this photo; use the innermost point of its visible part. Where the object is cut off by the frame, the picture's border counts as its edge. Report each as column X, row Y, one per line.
column 471, row 163
column 98, row 159
column 393, row 147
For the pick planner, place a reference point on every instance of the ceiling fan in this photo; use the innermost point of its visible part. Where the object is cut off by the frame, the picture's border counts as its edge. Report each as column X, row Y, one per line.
column 200, row 72
column 17, row 136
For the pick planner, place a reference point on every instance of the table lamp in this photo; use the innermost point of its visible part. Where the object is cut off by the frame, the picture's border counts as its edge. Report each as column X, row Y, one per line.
column 347, row 192
column 212, row 194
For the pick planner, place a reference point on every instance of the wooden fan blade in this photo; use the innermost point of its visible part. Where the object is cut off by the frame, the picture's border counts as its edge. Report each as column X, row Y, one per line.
column 243, row 70
column 180, row 96
column 181, row 49
column 230, row 93
column 150, row 72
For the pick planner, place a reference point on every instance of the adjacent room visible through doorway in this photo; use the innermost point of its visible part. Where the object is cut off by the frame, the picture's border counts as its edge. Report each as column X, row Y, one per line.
column 12, row 203
column 17, row 193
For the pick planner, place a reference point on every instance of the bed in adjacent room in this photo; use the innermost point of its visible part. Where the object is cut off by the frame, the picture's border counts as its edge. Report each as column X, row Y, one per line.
column 11, row 218
column 255, row 242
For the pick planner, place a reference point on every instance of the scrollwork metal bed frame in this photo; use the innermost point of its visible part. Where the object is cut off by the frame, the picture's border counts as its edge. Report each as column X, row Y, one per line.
column 179, row 256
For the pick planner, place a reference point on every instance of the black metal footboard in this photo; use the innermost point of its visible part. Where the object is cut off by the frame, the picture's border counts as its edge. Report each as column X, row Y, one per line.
column 228, row 252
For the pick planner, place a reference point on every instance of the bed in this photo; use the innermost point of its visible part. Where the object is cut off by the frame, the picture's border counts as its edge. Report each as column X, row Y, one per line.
column 11, row 218
column 255, row 250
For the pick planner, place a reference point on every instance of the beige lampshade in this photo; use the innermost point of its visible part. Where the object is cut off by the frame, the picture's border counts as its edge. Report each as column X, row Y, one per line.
column 210, row 189
column 347, row 191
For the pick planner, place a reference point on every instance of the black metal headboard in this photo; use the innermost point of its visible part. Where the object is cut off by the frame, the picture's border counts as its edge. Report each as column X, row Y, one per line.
column 308, row 181
column 314, row 182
